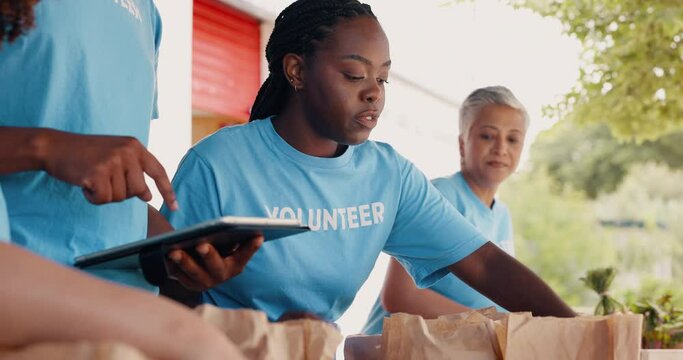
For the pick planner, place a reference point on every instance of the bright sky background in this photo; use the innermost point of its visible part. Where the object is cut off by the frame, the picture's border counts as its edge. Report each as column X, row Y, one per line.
column 453, row 49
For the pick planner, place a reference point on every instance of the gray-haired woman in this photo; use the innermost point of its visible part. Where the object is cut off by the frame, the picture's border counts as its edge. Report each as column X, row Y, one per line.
column 493, row 124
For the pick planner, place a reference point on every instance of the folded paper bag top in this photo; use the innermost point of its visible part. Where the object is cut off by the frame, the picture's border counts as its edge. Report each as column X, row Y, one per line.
column 472, row 336
column 259, row 339
column 613, row 337
column 489, row 335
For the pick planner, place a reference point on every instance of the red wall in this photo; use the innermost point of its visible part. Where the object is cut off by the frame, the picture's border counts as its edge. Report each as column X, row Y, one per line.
column 225, row 60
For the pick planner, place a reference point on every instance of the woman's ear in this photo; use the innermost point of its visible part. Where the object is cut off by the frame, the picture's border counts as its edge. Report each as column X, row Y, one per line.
column 292, row 66
column 461, row 146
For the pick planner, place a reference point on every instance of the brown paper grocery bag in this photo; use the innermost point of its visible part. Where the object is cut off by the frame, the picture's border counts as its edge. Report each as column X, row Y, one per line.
column 500, row 320
column 614, row 337
column 81, row 350
column 260, row 339
column 465, row 336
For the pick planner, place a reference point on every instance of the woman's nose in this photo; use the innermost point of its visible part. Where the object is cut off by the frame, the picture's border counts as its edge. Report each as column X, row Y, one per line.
column 500, row 147
column 373, row 92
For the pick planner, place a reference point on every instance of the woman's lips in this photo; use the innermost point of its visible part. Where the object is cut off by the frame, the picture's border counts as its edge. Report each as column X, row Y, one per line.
column 496, row 164
column 367, row 119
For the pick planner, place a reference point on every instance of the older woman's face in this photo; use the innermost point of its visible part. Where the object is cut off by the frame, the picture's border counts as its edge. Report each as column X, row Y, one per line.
column 493, row 145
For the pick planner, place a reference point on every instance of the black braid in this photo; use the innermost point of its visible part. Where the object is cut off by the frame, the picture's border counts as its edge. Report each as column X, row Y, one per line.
column 16, row 18
column 298, row 29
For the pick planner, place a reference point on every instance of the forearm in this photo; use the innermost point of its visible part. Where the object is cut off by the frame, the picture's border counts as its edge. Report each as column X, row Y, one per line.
column 171, row 288
column 401, row 295
column 42, row 301
column 424, row 302
column 156, row 222
column 22, row 149
column 509, row 283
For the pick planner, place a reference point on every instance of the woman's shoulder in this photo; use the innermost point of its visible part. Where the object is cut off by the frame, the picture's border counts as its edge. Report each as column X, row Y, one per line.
column 450, row 182
column 229, row 135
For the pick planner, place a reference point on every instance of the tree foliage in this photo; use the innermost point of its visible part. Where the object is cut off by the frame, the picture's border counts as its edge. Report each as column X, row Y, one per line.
column 557, row 235
column 632, row 75
column 636, row 229
column 645, row 215
column 590, row 159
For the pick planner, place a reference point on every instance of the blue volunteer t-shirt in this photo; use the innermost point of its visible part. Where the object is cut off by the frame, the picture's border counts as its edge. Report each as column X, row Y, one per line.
column 4, row 221
column 494, row 223
column 368, row 200
column 88, row 67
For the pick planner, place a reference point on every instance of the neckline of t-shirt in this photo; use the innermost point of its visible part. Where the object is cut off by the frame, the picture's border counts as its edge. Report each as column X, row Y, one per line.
column 473, row 197
column 283, row 147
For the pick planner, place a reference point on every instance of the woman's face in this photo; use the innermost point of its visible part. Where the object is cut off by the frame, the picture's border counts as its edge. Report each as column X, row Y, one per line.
column 491, row 149
column 344, row 81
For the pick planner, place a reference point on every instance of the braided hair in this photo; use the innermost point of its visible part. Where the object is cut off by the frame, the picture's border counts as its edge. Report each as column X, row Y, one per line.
column 298, row 29
column 16, row 18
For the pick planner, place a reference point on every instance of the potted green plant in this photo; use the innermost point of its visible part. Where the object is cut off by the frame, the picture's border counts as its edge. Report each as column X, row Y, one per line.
column 662, row 319
column 600, row 280
column 662, row 322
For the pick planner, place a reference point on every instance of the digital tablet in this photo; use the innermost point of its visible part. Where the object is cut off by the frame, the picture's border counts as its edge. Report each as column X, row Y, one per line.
column 226, row 234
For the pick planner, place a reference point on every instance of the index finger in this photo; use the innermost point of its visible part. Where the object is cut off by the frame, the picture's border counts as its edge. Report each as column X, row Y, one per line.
column 152, row 167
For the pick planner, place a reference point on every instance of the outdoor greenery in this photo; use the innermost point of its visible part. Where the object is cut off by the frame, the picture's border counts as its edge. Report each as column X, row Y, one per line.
column 663, row 322
column 605, row 188
column 632, row 73
column 561, row 234
column 600, row 281
column 557, row 234
column 662, row 317
column 620, row 129
column 590, row 159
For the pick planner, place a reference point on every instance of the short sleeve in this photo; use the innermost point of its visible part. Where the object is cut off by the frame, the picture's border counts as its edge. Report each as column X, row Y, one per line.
column 196, row 191
column 429, row 234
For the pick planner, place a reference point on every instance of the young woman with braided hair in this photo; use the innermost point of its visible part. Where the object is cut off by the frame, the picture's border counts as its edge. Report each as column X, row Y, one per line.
column 306, row 155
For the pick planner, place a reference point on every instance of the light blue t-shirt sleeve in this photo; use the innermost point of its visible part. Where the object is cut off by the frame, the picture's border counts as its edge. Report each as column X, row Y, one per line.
column 4, row 220
column 446, row 188
column 429, row 234
column 196, row 191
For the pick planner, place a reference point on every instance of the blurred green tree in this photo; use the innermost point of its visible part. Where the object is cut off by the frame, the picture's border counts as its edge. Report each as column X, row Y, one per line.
column 560, row 234
column 632, row 73
column 590, row 159
column 557, row 234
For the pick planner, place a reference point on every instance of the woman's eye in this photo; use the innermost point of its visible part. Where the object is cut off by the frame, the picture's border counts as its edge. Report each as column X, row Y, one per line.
column 382, row 81
column 486, row 137
column 353, row 77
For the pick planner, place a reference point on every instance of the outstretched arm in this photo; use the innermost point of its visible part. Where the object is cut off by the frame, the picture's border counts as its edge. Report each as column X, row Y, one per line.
column 43, row 301
column 107, row 168
column 400, row 294
column 507, row 282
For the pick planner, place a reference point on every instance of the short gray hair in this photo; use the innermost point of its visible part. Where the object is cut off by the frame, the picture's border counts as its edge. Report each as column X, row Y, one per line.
column 491, row 95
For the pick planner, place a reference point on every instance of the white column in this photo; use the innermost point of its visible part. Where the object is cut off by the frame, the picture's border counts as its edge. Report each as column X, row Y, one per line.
column 171, row 134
